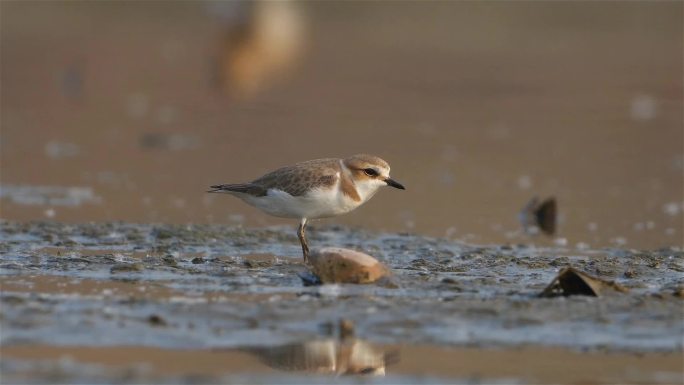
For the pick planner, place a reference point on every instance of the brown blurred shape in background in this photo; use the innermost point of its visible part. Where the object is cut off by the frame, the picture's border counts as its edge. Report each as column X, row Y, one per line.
column 263, row 41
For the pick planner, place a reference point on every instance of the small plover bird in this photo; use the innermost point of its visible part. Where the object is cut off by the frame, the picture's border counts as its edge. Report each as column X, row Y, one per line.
column 319, row 188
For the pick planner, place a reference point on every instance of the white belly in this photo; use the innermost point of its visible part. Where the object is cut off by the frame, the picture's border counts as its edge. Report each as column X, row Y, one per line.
column 319, row 203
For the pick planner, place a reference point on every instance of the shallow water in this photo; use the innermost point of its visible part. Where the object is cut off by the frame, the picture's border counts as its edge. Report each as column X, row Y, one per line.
column 70, row 288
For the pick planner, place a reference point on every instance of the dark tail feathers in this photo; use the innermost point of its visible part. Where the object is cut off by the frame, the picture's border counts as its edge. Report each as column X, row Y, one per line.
column 245, row 188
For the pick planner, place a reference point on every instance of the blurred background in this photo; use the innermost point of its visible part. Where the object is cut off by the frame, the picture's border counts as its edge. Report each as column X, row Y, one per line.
column 129, row 110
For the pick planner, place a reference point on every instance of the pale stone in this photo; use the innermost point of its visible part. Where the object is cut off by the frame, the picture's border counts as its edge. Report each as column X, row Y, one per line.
column 338, row 265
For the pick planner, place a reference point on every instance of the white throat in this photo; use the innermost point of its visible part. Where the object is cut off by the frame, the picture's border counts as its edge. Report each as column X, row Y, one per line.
column 368, row 188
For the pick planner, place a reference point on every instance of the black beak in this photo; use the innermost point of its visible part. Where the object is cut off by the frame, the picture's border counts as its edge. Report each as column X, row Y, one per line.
column 394, row 183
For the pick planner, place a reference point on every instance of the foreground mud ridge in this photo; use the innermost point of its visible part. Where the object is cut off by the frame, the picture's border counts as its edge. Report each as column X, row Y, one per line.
column 138, row 303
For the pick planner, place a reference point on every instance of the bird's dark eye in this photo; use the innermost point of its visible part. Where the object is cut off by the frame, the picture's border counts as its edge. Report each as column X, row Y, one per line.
column 370, row 172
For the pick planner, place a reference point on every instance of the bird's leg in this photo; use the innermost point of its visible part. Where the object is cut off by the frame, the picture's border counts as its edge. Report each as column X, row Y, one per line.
column 302, row 240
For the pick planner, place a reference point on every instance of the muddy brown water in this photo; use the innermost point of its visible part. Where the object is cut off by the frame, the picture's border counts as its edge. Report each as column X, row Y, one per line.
column 116, row 112
column 138, row 303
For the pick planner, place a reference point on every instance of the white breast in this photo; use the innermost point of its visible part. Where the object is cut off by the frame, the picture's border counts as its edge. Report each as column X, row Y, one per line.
column 317, row 203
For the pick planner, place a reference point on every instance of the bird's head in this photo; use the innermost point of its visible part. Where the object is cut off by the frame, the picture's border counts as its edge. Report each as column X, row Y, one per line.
column 370, row 173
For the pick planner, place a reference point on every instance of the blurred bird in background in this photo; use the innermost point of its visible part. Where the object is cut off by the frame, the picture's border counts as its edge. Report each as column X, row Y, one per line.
column 263, row 41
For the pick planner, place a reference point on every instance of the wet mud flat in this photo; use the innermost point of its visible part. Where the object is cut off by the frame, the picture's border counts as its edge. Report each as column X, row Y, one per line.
column 139, row 303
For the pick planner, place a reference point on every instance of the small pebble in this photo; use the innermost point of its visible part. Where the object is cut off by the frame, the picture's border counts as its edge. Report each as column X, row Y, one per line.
column 630, row 274
column 156, row 320
column 169, row 260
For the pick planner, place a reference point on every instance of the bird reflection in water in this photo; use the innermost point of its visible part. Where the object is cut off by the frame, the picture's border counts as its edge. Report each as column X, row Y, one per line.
column 339, row 355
